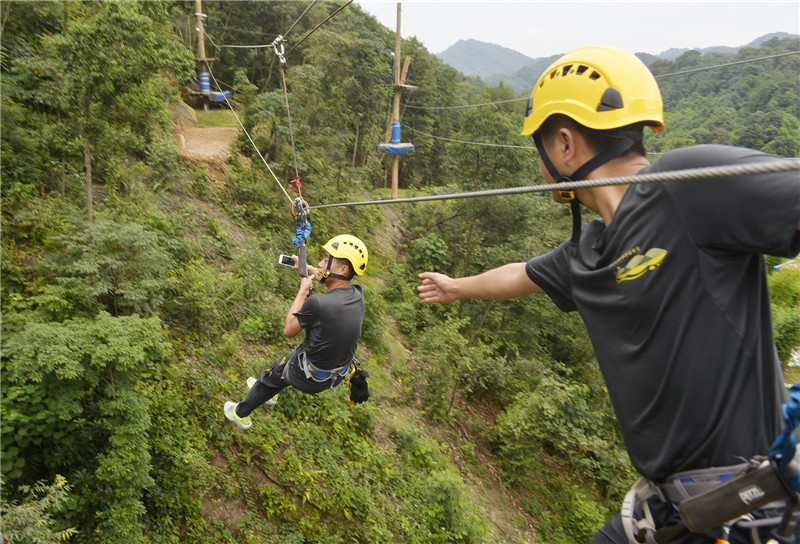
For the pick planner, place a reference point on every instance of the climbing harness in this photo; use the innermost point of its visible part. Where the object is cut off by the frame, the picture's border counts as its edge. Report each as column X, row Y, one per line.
column 318, row 375
column 727, row 496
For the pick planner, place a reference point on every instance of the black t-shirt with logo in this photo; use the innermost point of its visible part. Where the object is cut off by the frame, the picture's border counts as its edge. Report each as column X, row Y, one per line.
column 674, row 296
column 332, row 322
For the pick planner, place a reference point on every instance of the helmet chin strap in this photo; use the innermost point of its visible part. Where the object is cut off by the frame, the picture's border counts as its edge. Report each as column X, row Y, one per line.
column 622, row 145
column 328, row 274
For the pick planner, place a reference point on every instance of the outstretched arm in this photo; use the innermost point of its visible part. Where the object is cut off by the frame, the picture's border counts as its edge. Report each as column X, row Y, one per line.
column 506, row 282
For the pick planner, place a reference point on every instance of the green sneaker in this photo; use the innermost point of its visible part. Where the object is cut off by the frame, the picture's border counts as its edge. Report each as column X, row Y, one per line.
column 243, row 423
column 251, row 381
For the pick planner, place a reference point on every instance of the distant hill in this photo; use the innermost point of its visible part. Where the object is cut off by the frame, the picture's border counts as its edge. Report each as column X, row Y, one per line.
column 494, row 63
column 475, row 58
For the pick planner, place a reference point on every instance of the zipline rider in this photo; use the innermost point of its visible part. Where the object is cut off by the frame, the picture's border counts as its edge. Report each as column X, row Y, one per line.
column 332, row 324
column 670, row 283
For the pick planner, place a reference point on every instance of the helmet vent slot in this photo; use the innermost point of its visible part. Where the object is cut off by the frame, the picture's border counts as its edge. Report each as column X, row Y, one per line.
column 565, row 70
column 581, row 70
column 594, row 75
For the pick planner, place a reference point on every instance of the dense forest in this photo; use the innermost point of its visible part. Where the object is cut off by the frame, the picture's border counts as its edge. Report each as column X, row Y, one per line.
column 140, row 287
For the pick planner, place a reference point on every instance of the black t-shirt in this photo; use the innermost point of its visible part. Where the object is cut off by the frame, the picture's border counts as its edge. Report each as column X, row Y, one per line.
column 332, row 322
column 674, row 297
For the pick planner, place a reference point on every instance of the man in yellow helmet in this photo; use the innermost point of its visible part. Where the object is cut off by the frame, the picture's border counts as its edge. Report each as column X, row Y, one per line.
column 332, row 324
column 670, row 283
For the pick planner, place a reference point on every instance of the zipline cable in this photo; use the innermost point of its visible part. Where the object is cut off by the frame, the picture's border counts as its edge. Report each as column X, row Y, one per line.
column 291, row 200
column 298, row 19
column 319, row 25
column 276, row 44
column 767, row 167
column 702, row 68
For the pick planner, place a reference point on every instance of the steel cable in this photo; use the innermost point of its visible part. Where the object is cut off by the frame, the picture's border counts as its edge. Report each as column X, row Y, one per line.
column 711, row 172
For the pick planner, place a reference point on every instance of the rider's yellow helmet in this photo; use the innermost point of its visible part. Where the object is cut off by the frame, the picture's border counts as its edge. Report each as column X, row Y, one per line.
column 599, row 87
column 351, row 248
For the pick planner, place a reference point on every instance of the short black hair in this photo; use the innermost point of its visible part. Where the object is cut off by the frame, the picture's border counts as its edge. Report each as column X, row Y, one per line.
column 598, row 140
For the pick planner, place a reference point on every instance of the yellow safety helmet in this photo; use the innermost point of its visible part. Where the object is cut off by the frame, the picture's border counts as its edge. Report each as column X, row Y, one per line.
column 599, row 87
column 351, row 248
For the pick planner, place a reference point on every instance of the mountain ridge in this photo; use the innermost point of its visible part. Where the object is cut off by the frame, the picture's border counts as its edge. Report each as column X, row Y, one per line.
column 494, row 63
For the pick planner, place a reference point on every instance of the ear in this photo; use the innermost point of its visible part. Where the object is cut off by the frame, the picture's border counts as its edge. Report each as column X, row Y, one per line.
column 569, row 146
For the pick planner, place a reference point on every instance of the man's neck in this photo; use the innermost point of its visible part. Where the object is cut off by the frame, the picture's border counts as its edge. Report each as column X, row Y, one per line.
column 605, row 200
column 335, row 283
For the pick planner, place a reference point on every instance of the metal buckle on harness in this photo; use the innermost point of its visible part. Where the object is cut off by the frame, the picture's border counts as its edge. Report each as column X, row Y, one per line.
column 636, row 530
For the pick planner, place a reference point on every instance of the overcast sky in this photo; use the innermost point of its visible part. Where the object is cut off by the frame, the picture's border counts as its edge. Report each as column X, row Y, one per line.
column 542, row 28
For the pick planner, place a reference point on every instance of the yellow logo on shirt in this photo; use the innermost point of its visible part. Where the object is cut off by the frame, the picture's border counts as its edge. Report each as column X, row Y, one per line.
column 641, row 264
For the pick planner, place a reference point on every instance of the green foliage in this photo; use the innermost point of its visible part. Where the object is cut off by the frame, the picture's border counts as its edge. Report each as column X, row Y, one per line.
column 430, row 253
column 92, row 387
column 556, row 418
column 119, row 266
column 82, row 376
column 784, row 286
column 32, row 519
column 754, row 105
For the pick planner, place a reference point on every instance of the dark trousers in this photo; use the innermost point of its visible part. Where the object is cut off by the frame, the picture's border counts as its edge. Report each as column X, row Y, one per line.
column 281, row 374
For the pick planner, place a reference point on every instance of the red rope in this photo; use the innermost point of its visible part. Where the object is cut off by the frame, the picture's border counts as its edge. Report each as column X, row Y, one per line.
column 296, row 181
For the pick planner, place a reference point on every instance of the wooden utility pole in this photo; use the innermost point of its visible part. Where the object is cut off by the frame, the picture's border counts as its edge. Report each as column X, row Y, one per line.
column 201, row 51
column 393, row 145
column 201, row 42
column 396, row 102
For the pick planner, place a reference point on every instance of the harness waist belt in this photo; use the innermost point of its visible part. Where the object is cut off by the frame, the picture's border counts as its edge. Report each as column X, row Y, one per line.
column 317, row 374
column 682, row 485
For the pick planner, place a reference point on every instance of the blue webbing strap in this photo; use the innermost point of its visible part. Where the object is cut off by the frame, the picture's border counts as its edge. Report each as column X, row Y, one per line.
column 783, row 448
column 302, row 231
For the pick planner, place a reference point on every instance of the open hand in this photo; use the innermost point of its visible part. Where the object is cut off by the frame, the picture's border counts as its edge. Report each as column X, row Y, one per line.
column 437, row 288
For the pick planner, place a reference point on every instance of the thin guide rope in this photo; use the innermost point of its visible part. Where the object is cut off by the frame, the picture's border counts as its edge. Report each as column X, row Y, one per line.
column 248, row 136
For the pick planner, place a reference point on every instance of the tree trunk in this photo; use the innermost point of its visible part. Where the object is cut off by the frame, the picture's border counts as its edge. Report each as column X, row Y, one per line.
column 355, row 145
column 87, row 160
